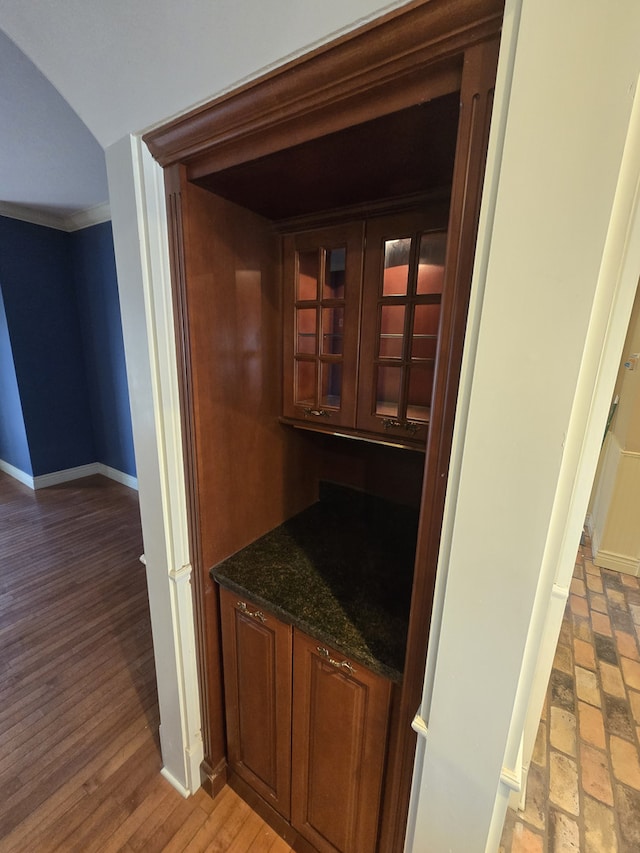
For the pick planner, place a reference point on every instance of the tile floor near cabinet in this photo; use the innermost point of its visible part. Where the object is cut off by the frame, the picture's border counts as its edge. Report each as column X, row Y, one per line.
column 584, row 783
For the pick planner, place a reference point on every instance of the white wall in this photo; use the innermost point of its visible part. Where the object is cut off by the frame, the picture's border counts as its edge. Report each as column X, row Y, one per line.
column 515, row 508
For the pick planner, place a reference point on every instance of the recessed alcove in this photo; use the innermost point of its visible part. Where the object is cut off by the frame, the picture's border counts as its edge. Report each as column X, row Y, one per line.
column 393, row 116
column 411, row 151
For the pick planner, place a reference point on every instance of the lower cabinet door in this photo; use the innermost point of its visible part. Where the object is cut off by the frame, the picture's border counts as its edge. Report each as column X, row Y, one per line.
column 340, row 715
column 256, row 648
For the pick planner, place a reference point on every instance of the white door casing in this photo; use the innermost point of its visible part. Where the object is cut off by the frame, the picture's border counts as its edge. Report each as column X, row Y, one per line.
column 136, row 188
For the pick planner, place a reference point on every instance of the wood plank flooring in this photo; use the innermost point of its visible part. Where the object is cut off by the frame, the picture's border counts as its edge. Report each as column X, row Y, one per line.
column 79, row 755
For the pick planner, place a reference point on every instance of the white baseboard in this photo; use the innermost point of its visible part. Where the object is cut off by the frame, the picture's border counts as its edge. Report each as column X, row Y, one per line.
column 44, row 480
column 595, row 543
column 588, row 523
column 171, row 779
column 55, row 477
column 118, row 476
column 17, row 474
column 617, row 562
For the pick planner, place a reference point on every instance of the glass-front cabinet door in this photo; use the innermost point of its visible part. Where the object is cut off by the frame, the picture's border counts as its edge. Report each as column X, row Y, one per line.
column 322, row 287
column 402, row 292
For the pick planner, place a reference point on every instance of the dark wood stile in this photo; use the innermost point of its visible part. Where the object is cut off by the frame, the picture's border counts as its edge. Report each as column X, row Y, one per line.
column 476, row 104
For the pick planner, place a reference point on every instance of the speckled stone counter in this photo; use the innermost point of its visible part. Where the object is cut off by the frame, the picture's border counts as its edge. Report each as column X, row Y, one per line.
column 341, row 571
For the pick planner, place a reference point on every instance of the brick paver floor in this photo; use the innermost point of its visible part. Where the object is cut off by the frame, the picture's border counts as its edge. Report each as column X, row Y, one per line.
column 583, row 792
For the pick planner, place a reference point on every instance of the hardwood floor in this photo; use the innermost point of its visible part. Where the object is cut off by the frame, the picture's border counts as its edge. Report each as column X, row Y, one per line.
column 79, row 755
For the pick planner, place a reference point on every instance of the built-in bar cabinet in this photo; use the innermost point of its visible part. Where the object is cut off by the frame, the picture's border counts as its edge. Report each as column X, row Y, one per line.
column 322, row 223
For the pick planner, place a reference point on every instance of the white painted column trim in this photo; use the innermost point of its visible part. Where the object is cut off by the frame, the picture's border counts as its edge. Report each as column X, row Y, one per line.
column 611, row 308
column 511, row 778
column 494, row 159
column 504, row 77
column 162, row 351
column 186, row 650
column 419, row 726
column 614, row 295
column 142, row 258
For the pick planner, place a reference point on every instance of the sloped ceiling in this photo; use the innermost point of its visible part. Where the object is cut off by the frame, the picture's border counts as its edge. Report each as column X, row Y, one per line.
column 120, row 67
column 49, row 161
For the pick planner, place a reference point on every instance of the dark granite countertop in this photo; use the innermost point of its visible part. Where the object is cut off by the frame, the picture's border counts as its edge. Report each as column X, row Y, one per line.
column 341, row 571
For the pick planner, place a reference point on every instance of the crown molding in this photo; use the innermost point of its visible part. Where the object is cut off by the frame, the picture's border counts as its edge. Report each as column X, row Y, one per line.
column 378, row 68
column 90, row 216
column 61, row 222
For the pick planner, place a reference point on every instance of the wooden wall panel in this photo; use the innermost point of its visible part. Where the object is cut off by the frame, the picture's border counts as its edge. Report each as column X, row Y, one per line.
column 250, row 473
column 388, row 472
column 246, row 472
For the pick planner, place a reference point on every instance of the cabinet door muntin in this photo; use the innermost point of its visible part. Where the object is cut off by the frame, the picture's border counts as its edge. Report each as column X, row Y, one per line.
column 319, row 322
column 407, row 318
column 325, row 280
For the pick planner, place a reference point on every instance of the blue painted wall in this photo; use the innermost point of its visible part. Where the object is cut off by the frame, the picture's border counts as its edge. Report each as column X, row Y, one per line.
column 14, row 448
column 71, row 379
column 99, row 306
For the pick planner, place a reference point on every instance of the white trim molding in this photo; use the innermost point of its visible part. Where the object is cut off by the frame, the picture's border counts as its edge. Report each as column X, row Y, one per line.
column 419, row 726
column 43, row 481
column 508, row 777
column 136, row 190
column 617, row 562
column 511, row 779
column 60, row 221
column 616, row 538
column 588, row 523
column 171, row 779
column 86, row 218
column 192, row 726
column 158, row 297
column 560, row 592
column 118, row 476
column 17, row 474
column 609, row 319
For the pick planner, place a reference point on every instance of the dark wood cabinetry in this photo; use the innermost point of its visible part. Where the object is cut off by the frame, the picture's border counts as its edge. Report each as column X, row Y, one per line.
column 361, row 339
column 257, row 650
column 398, row 109
column 340, row 717
column 402, row 295
column 321, row 294
column 310, row 739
